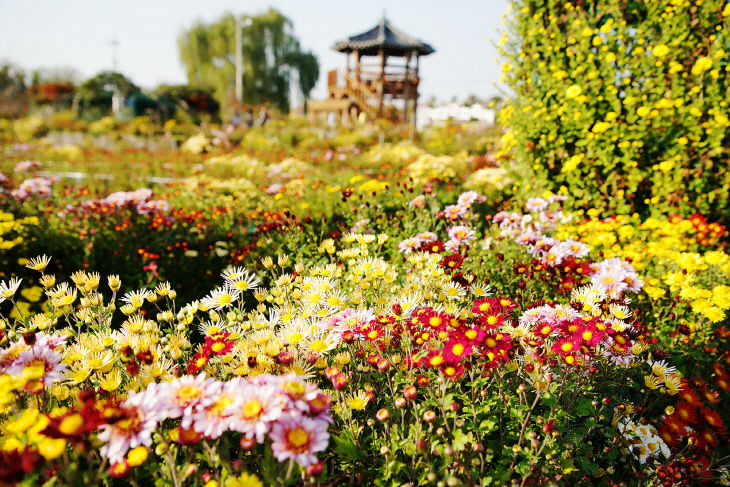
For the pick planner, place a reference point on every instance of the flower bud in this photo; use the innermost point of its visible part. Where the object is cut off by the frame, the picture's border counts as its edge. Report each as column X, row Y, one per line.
column 315, row 469
column 382, row 415
column 410, row 392
column 247, row 443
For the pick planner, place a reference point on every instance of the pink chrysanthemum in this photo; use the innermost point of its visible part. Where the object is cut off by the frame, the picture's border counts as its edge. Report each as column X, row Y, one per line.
column 132, row 429
column 212, row 419
column 299, row 438
column 182, row 396
column 253, row 409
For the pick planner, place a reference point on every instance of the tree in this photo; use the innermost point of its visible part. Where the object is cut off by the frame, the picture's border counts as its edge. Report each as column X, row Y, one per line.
column 96, row 93
column 308, row 72
column 13, row 98
column 270, row 54
column 193, row 101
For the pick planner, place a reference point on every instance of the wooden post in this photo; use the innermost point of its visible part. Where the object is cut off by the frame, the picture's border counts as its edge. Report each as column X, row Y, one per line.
column 381, row 88
column 415, row 97
column 407, row 89
column 357, row 65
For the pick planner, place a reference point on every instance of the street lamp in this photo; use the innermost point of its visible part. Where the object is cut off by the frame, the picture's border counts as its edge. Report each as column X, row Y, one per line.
column 240, row 23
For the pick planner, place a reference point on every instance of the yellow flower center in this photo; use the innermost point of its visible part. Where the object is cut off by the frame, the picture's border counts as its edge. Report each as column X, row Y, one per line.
column 298, row 437
column 318, row 345
column 252, row 409
column 187, row 394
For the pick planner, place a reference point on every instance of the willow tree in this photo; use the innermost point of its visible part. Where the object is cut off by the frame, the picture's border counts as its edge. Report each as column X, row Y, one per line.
column 270, row 54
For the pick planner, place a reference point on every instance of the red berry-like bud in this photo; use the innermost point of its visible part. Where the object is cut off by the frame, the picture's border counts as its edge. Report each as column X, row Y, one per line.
column 286, row 357
column 247, row 443
column 315, row 469
column 339, row 382
column 132, row 369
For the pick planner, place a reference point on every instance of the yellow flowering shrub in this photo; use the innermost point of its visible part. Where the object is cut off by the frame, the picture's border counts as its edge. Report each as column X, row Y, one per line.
column 624, row 104
column 430, row 167
column 396, row 154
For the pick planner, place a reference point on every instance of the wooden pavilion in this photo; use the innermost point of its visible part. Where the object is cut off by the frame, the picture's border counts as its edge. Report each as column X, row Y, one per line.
column 386, row 88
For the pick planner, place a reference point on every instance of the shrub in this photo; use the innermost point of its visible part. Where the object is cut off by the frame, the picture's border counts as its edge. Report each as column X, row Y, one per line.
column 622, row 99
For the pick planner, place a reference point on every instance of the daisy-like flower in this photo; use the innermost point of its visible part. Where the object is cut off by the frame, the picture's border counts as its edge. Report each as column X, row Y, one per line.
column 136, row 298
column 212, row 417
column 409, row 244
column 452, row 245
column 221, row 297
column 182, row 396
column 253, row 409
column 468, row 198
column 240, row 279
column 461, row 233
column 427, row 237
column 418, row 201
column 301, row 368
column 8, row 290
column 454, row 212
column 38, row 263
column 131, row 427
column 299, row 438
column 294, row 332
column 453, row 290
column 40, row 365
column 322, row 342
column 535, row 205
column 611, row 280
column 408, row 302
column 336, row 300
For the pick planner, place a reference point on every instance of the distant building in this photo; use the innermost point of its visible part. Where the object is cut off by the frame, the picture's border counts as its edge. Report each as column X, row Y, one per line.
column 377, row 89
column 454, row 111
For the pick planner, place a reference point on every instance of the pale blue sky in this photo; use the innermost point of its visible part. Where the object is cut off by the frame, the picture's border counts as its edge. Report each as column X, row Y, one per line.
column 76, row 33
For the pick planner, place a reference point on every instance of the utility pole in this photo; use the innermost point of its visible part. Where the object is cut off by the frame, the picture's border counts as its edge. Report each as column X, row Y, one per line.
column 115, row 51
column 240, row 23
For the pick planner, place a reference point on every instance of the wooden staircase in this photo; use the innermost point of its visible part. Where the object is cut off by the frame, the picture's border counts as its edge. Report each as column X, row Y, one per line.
column 348, row 91
column 366, row 98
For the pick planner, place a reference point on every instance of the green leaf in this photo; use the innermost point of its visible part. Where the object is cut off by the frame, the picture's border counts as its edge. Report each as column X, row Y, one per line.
column 461, row 439
column 583, row 407
column 346, row 446
column 487, row 426
column 567, row 466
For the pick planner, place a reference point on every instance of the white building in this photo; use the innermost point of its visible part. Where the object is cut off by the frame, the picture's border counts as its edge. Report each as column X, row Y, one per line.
column 454, row 111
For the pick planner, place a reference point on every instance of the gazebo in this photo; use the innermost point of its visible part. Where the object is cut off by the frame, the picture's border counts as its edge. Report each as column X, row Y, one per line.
column 384, row 87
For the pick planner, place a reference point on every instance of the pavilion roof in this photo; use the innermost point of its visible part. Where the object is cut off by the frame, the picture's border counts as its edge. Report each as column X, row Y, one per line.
column 385, row 36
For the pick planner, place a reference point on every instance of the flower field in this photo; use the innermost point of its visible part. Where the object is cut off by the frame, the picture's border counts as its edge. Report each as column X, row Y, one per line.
column 330, row 314
column 542, row 303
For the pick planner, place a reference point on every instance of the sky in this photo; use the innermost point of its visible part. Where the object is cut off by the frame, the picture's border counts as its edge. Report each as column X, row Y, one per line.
column 79, row 33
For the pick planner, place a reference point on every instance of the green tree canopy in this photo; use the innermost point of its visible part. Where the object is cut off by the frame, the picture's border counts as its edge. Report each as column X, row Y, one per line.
column 13, row 98
column 97, row 92
column 270, row 54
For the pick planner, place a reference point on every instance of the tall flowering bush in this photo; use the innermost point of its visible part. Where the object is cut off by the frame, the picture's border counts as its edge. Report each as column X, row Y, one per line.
column 631, row 100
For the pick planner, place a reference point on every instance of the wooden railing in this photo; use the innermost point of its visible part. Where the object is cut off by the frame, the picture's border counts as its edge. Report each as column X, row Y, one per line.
column 363, row 96
column 363, row 93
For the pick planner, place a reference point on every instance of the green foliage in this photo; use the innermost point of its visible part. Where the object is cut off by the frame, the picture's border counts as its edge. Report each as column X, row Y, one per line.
column 192, row 101
column 270, row 53
column 13, row 99
column 623, row 103
column 96, row 93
